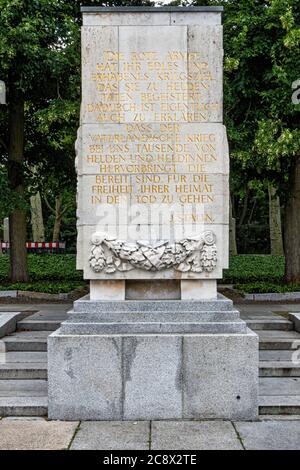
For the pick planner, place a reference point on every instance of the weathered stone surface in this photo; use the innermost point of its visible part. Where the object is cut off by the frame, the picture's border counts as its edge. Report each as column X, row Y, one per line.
column 279, row 404
column 23, row 357
column 199, row 289
column 152, row 377
column 117, row 435
column 186, row 18
column 150, row 316
column 186, row 435
column 124, row 327
column 153, row 290
column 35, row 434
column 146, row 377
column 214, row 182
column 85, row 379
column 151, row 133
column 295, row 318
column 270, row 324
column 276, row 355
column 23, row 388
column 152, row 233
column 126, row 19
column 270, row 435
column 280, row 368
column 94, row 42
column 209, row 153
column 107, row 290
column 279, row 386
column 153, row 201
column 23, row 406
column 84, row 305
column 220, row 376
column 134, row 39
column 8, row 322
column 22, row 370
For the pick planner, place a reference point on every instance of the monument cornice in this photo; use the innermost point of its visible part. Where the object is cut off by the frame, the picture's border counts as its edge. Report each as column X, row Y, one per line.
column 166, row 9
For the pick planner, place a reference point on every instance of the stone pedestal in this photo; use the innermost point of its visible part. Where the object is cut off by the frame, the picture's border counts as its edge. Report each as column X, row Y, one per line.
column 114, row 360
column 153, row 340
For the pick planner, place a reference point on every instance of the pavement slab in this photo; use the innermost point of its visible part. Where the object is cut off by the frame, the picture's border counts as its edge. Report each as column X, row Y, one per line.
column 35, row 434
column 112, row 435
column 195, row 435
column 270, row 435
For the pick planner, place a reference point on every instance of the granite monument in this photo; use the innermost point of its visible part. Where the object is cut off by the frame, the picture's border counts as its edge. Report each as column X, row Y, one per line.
column 153, row 339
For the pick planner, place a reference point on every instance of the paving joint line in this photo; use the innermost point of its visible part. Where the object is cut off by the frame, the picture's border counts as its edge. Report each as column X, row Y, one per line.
column 150, row 434
column 238, row 436
column 74, row 435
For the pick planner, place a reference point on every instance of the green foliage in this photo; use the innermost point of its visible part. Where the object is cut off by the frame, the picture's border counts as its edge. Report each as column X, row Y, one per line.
column 263, row 123
column 266, row 287
column 9, row 199
column 249, row 268
column 46, row 268
column 53, row 287
column 262, row 60
column 242, row 268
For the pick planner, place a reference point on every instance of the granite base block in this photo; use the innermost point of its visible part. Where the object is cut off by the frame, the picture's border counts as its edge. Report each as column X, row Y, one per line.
column 164, row 376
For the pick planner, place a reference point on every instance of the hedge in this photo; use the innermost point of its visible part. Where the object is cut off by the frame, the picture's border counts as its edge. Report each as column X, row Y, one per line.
column 243, row 268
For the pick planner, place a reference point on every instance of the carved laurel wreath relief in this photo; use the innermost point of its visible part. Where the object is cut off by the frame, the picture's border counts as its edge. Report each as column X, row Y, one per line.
column 197, row 254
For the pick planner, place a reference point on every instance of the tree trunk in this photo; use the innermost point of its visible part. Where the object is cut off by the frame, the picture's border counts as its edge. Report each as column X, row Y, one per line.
column 17, row 219
column 232, row 231
column 275, row 222
column 292, row 227
column 58, row 217
column 37, row 222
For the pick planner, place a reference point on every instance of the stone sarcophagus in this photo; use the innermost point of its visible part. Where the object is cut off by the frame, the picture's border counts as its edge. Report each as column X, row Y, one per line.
column 153, row 340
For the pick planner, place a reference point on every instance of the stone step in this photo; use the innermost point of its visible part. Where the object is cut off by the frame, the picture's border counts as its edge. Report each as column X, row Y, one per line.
column 26, row 357
column 279, row 386
column 23, row 406
column 279, row 369
column 26, row 341
column 38, row 325
column 15, row 370
column 272, row 324
column 275, row 339
column 279, row 343
column 18, row 344
column 23, row 388
column 279, row 405
column 72, row 327
column 84, row 305
column 277, row 354
column 154, row 316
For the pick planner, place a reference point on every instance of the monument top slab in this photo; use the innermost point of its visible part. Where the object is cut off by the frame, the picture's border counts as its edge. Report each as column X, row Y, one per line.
column 152, row 155
column 98, row 9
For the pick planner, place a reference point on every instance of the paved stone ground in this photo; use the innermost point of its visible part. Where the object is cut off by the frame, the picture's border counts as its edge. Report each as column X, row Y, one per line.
column 40, row 434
